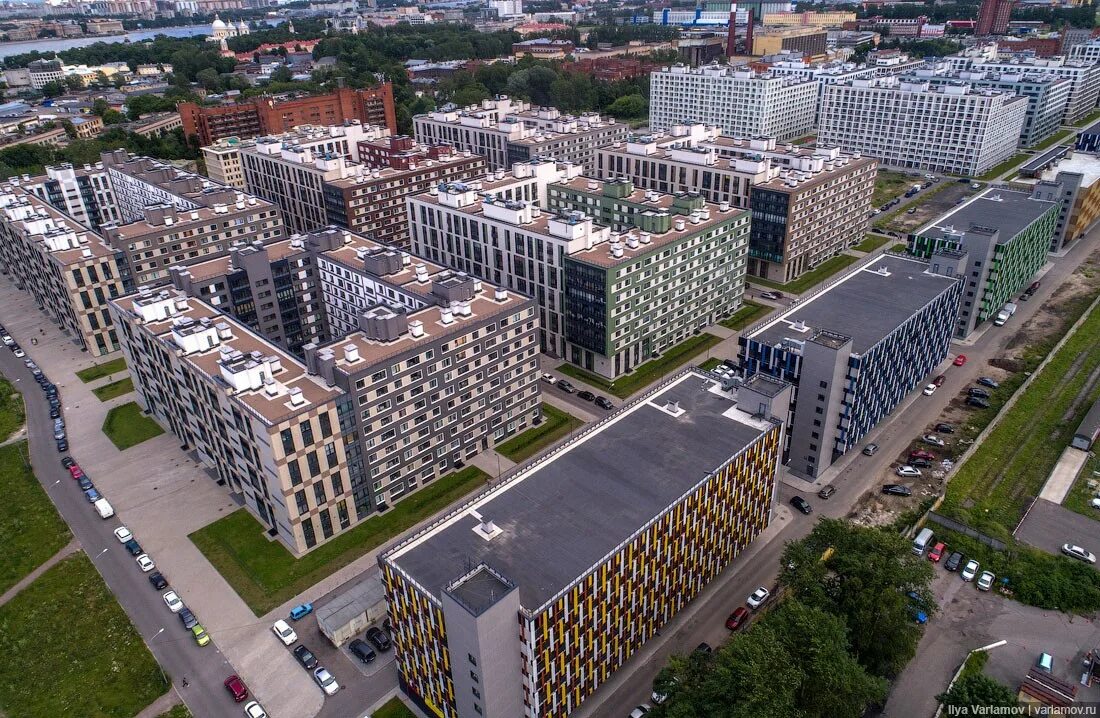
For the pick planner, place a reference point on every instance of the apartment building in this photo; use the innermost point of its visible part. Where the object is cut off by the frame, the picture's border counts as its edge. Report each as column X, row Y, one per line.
column 169, row 217
column 68, row 269
column 505, row 132
column 743, row 103
column 1083, row 74
column 805, row 41
column 84, row 193
column 854, row 351
column 439, row 367
column 273, row 289
column 251, row 412
column 1071, row 179
column 779, row 183
column 530, row 596
column 1087, row 52
column 1047, row 96
column 223, row 162
column 956, row 128
column 267, row 115
column 1003, row 237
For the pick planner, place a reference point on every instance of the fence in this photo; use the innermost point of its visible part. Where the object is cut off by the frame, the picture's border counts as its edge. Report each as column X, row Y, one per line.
column 964, row 529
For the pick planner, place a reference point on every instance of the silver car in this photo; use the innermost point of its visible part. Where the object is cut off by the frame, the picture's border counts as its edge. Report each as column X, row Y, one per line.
column 1078, row 553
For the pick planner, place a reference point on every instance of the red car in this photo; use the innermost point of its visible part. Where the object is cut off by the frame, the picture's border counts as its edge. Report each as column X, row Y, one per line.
column 75, row 471
column 938, row 381
column 236, row 688
column 919, row 454
column 937, row 552
column 960, row 360
column 737, row 618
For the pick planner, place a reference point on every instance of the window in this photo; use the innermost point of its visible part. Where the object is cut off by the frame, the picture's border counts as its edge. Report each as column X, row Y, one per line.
column 319, row 493
column 307, row 532
column 474, row 678
column 326, row 425
column 470, row 656
column 295, row 472
column 307, row 432
column 288, row 440
column 477, row 693
column 300, row 498
column 326, row 524
column 314, row 464
column 337, row 484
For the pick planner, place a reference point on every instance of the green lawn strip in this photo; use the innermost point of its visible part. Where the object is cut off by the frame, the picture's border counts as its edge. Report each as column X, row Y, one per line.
column 70, row 650
column 808, row 139
column 264, row 574
column 176, row 711
column 710, row 364
column 1080, row 495
column 746, row 315
column 101, row 370
column 393, row 708
column 31, row 530
column 1088, row 119
column 889, row 185
column 646, row 373
column 812, row 278
column 126, row 426
column 114, row 389
column 12, row 414
column 555, row 424
column 1035, row 577
column 900, row 247
column 990, row 491
column 870, row 243
column 1004, row 166
column 1053, row 140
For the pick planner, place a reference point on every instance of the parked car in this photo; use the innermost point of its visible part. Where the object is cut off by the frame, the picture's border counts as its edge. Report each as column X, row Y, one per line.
column 774, row 296
column 236, row 688
column 1079, row 553
column 979, row 393
column 362, row 651
column 604, row 403
column 145, row 563
column 758, row 597
column 158, row 580
column 62, row 444
column 908, row 471
column 301, row 611
column 1032, row 288
column 640, row 711
column 922, row 454
column 326, row 681
column 959, row 360
column 870, row 450
column 937, row 552
column 953, row 561
column 187, row 618
column 172, row 600
column 254, row 710
column 75, row 471
column 737, row 618
column 85, row 483
column 945, row 428
column 897, row 490
column 704, row 647
column 18, row 351
column 801, row 504
column 970, row 570
column 939, row 380
column 586, row 395
column 987, row 381
column 826, row 491
column 985, row 581
column 930, row 390
column 92, row 495
column 305, row 657
column 566, row 386
column 977, row 402
column 933, row 440
column 55, row 411
column 921, row 464
column 548, row 378
column 133, row 547
column 201, row 636
column 123, row 534
column 378, row 639
column 285, row 633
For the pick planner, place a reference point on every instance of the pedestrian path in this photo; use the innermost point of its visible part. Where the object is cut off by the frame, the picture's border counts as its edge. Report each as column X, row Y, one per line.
column 161, row 705
column 69, row 549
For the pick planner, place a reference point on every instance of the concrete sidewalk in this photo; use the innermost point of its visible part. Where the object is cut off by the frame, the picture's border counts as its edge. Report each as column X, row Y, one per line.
column 1063, row 475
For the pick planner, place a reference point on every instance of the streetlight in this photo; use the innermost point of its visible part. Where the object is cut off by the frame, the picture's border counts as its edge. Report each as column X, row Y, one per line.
column 102, row 552
column 162, row 676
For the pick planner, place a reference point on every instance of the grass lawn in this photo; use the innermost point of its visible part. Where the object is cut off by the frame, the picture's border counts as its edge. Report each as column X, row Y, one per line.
column 1004, row 166
column 393, row 708
column 1088, row 119
column 555, row 424
column 870, row 243
column 1053, row 140
column 264, row 574
column 114, row 389
column 710, row 363
column 11, row 409
column 990, row 491
column 746, row 315
column 70, row 650
column 31, row 530
column 176, row 711
column 900, row 247
column 1080, row 495
column 649, row 372
column 126, row 426
column 812, row 278
column 107, row 368
column 889, row 185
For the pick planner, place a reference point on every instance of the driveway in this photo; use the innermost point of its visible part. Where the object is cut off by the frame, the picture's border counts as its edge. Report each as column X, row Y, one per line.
column 1049, row 525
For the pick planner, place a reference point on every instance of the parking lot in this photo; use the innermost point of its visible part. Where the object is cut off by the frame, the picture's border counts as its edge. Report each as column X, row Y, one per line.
column 927, row 208
column 1049, row 525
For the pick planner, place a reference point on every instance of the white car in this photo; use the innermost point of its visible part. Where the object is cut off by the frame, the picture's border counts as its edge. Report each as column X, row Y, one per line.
column 1078, row 553
column 175, row 605
column 19, row 353
column 933, row 440
column 658, row 698
column 907, row 470
column 8, row 341
column 326, row 681
column 145, row 563
column 285, row 633
column 549, row 378
column 930, row 389
column 254, row 710
column 985, row 581
column 640, row 711
column 970, row 570
column 123, row 534
column 1095, row 503
column 758, row 597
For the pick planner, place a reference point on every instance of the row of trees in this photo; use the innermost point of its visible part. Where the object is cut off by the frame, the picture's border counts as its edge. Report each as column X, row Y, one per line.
column 32, row 159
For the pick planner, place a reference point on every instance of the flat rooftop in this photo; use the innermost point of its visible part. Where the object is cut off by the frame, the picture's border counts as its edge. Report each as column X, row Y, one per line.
column 865, row 305
column 560, row 517
column 1005, row 210
column 1084, row 164
column 220, row 266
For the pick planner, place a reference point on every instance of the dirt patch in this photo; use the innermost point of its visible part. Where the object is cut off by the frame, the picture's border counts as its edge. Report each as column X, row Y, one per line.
column 934, row 206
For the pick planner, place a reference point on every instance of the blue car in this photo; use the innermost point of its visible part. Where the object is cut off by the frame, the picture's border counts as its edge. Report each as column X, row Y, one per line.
column 92, row 495
column 916, row 608
column 301, row 611
column 85, row 483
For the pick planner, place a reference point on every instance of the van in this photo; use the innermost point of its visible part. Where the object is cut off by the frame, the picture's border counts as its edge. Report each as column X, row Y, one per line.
column 920, row 543
column 104, row 509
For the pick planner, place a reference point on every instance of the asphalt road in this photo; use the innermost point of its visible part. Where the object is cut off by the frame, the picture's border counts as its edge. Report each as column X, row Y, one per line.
column 704, row 620
column 179, row 656
column 1049, row 525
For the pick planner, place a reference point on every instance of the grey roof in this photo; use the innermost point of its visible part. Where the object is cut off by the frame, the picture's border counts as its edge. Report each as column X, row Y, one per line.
column 864, row 305
column 480, row 589
column 1007, row 211
column 1040, row 162
column 1093, row 129
column 354, row 602
column 562, row 515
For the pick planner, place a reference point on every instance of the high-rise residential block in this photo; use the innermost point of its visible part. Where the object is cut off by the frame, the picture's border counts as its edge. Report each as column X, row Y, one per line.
column 993, row 17
column 911, row 124
column 1088, row 51
column 742, row 102
column 529, row 597
column 505, row 132
column 83, row 193
column 854, row 352
column 1002, row 236
column 1072, row 179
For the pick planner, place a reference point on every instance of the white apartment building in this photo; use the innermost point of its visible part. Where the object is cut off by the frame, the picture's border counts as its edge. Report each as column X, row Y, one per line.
column 1085, row 52
column 741, row 102
column 504, row 132
column 953, row 128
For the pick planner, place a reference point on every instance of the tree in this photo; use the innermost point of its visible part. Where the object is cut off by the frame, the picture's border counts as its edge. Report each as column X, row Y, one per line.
column 100, row 107
column 629, row 106
column 53, row 88
column 209, row 79
column 70, row 129
column 282, row 73
column 74, row 82
column 113, row 117
column 978, row 689
column 471, row 94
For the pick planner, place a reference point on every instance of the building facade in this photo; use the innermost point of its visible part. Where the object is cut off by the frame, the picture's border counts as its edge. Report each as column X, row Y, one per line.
column 1003, row 237
column 84, row 194
column 993, row 17
column 954, row 128
column 854, row 352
